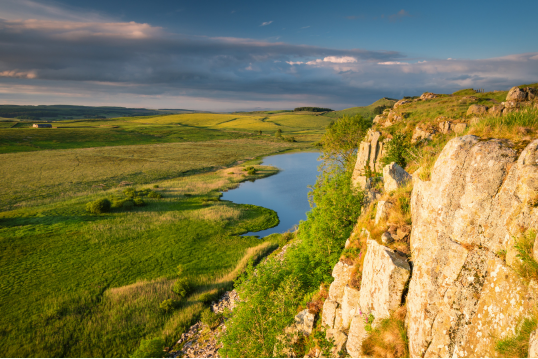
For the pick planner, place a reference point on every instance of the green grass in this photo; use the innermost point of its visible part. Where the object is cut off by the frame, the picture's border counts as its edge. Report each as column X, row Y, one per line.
column 365, row 111
column 517, row 346
column 76, row 284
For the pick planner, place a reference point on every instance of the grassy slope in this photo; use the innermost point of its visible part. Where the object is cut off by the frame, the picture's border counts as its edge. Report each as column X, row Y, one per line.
column 365, row 111
column 58, row 263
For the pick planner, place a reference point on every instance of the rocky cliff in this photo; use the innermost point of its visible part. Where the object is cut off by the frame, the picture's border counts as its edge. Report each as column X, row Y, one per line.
column 461, row 282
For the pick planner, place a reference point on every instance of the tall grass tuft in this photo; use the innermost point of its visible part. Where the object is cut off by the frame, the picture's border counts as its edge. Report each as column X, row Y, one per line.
column 517, row 346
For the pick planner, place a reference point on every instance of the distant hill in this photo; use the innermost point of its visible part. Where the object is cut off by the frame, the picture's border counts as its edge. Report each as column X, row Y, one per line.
column 365, row 111
column 69, row 112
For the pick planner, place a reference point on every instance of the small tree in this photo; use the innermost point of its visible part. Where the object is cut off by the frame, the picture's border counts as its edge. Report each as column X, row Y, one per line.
column 278, row 133
column 182, row 287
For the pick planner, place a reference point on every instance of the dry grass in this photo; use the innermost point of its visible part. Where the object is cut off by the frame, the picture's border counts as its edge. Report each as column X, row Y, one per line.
column 389, row 338
column 514, row 126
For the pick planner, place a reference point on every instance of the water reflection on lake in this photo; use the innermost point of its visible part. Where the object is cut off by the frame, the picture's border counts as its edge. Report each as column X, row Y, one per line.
column 285, row 192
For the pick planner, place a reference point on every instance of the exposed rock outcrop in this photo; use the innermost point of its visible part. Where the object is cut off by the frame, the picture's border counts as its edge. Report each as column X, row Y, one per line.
column 475, row 204
column 382, row 211
column 422, row 134
column 516, row 94
column 394, row 176
column 477, row 110
column 369, row 155
column 304, row 322
column 533, row 345
column 357, row 334
column 384, row 276
column 428, row 96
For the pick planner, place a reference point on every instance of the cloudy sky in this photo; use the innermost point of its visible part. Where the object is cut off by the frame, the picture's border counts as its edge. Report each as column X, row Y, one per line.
column 243, row 55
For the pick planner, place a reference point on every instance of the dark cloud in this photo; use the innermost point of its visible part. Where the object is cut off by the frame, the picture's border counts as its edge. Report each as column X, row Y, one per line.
column 99, row 59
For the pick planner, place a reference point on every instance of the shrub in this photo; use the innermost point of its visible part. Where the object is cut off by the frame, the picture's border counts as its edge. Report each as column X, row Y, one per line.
column 182, row 287
column 211, row 319
column 153, row 194
column 168, row 305
column 99, row 206
column 397, row 150
column 129, row 192
column 150, row 348
column 155, row 186
column 128, row 205
column 138, row 201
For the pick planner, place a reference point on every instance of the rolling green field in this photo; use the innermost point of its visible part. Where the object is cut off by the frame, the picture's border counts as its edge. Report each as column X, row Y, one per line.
column 77, row 284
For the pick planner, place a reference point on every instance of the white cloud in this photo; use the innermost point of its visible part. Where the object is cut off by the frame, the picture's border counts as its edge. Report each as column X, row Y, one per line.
column 295, row 62
column 340, row 60
column 266, row 23
column 18, row 74
column 392, row 63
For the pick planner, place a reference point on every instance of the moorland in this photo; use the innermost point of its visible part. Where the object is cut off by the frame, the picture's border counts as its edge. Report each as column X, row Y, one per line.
column 76, row 283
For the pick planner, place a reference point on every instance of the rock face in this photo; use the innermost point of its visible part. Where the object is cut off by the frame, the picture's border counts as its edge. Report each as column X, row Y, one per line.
column 382, row 211
column 394, row 176
column 357, row 334
column 341, row 273
column 369, row 154
column 384, row 276
column 401, row 102
column 350, row 305
column 477, row 110
column 533, row 345
column 478, row 199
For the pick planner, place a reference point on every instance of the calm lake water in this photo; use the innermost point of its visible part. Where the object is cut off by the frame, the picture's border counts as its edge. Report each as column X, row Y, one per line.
column 285, row 192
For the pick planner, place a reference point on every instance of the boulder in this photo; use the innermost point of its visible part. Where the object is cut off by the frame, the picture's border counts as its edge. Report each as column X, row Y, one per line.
column 338, row 322
column 496, row 110
column 357, row 334
column 341, row 273
column 477, row 110
column 393, row 118
column 394, row 176
column 445, row 127
column 350, row 305
column 475, row 203
column 386, row 238
column 384, row 276
column 304, row 322
column 379, row 119
column 532, row 93
column 460, row 127
column 382, row 211
column 403, row 232
column 516, row 94
column 533, row 344
column 422, row 134
column 329, row 313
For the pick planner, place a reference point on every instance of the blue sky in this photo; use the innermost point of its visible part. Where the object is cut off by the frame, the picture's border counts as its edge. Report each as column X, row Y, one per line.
column 242, row 55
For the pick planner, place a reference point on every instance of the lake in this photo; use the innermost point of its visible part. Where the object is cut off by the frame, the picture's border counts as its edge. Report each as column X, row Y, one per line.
column 286, row 193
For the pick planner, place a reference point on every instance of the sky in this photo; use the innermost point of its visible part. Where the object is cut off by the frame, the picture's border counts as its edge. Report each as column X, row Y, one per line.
column 259, row 55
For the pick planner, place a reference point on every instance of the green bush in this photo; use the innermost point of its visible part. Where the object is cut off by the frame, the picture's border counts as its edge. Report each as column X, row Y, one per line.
column 150, row 348
column 397, row 150
column 99, row 206
column 128, row 205
column 168, row 305
column 182, row 287
column 139, row 202
column 211, row 319
column 155, row 186
column 153, row 194
column 129, row 192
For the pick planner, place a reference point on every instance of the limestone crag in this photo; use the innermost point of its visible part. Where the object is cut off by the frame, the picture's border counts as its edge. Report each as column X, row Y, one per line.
column 428, row 96
column 475, row 204
column 394, row 176
column 533, row 345
column 479, row 110
column 384, row 276
column 422, row 134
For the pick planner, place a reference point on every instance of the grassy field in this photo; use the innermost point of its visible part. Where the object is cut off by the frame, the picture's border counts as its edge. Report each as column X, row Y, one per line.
column 79, row 284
